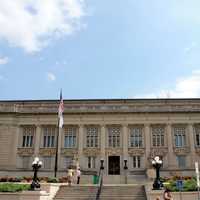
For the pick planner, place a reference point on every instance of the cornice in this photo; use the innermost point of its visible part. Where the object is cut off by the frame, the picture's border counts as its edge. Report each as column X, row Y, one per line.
column 102, row 106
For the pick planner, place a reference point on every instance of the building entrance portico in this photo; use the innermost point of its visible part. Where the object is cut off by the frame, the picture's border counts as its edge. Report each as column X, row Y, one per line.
column 114, row 165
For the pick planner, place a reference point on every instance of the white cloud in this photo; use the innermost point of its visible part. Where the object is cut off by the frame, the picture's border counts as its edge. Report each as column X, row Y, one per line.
column 186, row 87
column 51, row 76
column 3, row 60
column 190, row 48
column 31, row 24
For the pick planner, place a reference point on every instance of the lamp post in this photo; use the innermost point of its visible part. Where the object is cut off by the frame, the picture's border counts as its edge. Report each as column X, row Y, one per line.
column 125, row 170
column 36, row 165
column 157, row 163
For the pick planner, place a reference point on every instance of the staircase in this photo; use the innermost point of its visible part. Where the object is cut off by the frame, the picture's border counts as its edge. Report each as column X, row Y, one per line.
column 76, row 193
column 123, row 192
column 109, row 192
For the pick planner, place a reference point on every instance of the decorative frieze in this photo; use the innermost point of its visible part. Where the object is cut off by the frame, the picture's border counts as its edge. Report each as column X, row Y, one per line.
column 114, row 151
column 69, row 151
column 181, row 150
column 91, row 151
column 158, row 151
column 25, row 151
column 47, row 151
column 136, row 151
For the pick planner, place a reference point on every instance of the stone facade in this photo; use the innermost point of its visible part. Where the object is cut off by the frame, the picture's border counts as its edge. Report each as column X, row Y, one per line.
column 113, row 130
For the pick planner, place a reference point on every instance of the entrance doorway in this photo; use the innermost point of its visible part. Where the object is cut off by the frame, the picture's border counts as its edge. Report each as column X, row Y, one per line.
column 114, row 165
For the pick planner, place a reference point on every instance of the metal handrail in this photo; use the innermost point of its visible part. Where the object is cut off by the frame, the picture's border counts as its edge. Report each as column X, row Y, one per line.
column 100, row 184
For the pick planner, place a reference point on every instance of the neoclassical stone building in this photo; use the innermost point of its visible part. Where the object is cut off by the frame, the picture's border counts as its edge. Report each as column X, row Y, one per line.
column 135, row 130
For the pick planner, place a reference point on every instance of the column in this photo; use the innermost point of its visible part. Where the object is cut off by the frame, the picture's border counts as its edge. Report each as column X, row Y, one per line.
column 192, row 145
column 147, row 135
column 103, row 147
column 13, row 156
column 125, row 142
column 80, row 145
column 37, row 140
column 171, row 155
column 103, row 141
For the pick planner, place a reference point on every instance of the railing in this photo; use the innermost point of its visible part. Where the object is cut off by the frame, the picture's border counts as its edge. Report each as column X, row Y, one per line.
column 100, row 184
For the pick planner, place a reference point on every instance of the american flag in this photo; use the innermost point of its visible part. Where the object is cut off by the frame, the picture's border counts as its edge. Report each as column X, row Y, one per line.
column 60, row 111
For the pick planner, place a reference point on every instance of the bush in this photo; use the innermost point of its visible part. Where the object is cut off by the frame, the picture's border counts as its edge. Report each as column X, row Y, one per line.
column 189, row 184
column 13, row 187
column 52, row 180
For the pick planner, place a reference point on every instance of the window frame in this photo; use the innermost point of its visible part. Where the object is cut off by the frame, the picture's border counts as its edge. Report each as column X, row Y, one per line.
column 136, row 138
column 158, row 136
column 114, row 137
column 92, row 137
column 70, row 137
column 49, row 134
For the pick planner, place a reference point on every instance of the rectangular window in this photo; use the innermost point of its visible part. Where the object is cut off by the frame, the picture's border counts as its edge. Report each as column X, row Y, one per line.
column 114, row 137
column 27, row 138
column 91, row 162
column 68, row 161
column 92, row 137
column 180, row 138
column 181, row 161
column 136, row 137
column 26, row 162
column 136, row 161
column 70, row 137
column 49, row 137
column 158, row 136
column 197, row 135
column 47, row 162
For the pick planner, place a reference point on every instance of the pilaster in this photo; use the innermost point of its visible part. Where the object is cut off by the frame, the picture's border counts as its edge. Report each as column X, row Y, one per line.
column 80, row 144
column 170, row 142
column 103, row 140
column 37, row 140
column 192, row 144
column 147, row 135
column 125, row 141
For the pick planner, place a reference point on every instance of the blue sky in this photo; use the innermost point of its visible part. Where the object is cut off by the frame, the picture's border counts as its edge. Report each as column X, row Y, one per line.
column 99, row 49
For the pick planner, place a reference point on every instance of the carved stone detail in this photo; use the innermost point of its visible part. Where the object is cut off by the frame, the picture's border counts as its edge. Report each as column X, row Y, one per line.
column 25, row 151
column 136, row 151
column 181, row 150
column 69, row 152
column 158, row 151
column 113, row 151
column 47, row 151
column 91, row 151
column 197, row 150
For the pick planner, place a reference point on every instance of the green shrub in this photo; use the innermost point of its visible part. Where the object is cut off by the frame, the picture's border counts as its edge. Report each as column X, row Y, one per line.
column 13, row 187
column 52, row 180
column 189, row 184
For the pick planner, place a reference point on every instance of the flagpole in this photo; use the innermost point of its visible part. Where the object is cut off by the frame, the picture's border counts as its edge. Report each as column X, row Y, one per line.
column 56, row 157
column 60, row 124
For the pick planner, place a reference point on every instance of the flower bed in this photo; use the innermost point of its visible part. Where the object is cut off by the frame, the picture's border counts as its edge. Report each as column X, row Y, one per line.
column 28, row 179
column 189, row 183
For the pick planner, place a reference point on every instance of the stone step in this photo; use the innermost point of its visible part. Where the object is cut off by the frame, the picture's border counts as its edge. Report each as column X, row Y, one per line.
column 123, row 192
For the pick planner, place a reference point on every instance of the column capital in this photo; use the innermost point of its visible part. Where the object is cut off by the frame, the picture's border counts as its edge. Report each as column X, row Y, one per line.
column 147, row 124
column 80, row 125
column 190, row 124
column 103, row 125
column 125, row 125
